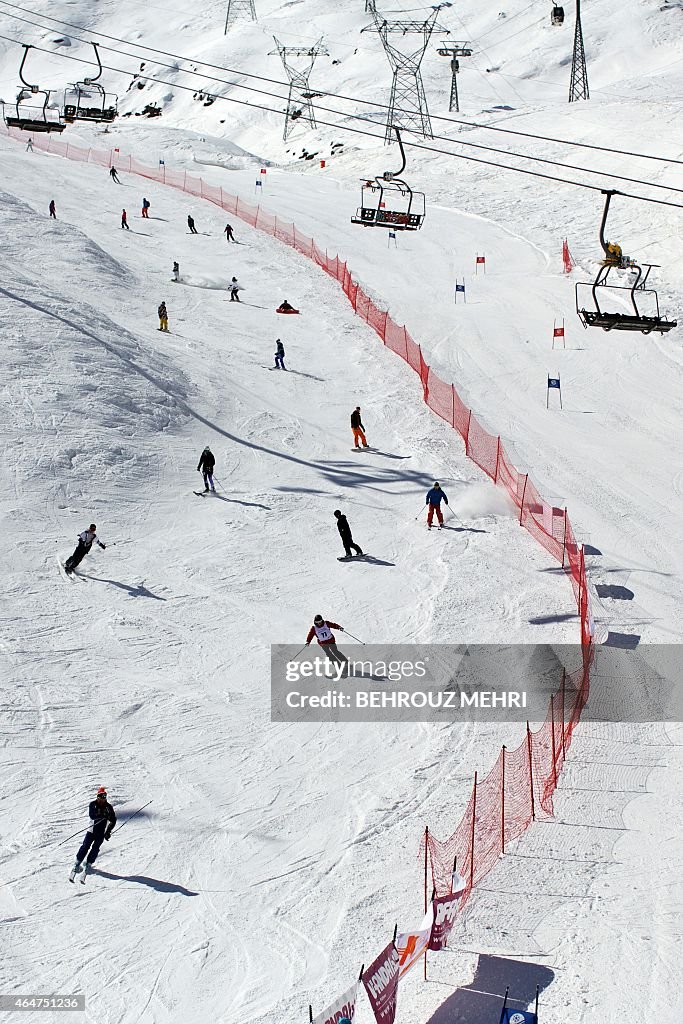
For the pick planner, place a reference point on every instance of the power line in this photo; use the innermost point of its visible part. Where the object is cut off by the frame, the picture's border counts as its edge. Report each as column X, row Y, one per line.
column 367, row 120
column 340, row 96
column 359, row 131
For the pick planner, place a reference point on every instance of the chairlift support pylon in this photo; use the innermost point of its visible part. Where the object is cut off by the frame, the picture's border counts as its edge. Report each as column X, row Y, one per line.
column 389, row 202
column 92, row 102
column 615, row 259
column 32, row 117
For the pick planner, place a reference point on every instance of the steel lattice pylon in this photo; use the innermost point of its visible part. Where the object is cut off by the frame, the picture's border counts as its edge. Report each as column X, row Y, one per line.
column 408, row 103
column 578, row 86
column 300, row 96
column 454, row 50
column 239, row 10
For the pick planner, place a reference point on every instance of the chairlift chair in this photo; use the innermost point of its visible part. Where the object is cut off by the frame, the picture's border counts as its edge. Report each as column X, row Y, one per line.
column 32, row 116
column 557, row 15
column 614, row 259
column 389, row 202
column 87, row 100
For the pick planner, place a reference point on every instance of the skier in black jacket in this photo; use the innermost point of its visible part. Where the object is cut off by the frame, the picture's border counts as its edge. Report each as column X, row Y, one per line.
column 357, row 428
column 85, row 542
column 206, row 463
column 345, row 534
column 102, row 821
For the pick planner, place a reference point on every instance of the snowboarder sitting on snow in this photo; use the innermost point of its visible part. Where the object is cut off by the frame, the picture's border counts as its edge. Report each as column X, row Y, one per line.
column 279, row 356
column 163, row 317
column 322, row 630
column 227, row 231
column 85, row 542
column 434, row 499
column 145, row 208
column 357, row 428
column 53, row 209
column 190, row 224
column 284, row 307
column 113, row 175
column 176, row 271
column 345, row 534
column 234, row 288
column 206, row 464
column 102, row 821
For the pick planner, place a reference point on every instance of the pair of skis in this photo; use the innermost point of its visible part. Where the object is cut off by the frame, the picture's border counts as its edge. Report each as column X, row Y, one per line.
column 72, row 576
column 79, row 869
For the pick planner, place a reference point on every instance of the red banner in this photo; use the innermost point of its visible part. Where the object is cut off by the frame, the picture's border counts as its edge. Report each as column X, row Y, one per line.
column 381, row 985
column 445, row 909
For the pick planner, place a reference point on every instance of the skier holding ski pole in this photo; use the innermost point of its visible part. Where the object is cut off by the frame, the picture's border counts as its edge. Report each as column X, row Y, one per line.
column 322, row 630
column 434, row 498
column 103, row 819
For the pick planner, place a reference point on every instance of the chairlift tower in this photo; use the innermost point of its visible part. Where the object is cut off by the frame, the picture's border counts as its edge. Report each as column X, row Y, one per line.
column 454, row 50
column 578, row 85
column 408, row 103
column 300, row 97
column 239, row 10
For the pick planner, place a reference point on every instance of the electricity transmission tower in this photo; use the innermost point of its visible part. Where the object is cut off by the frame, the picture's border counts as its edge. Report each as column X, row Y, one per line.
column 578, row 86
column 300, row 95
column 408, row 103
column 239, row 10
column 454, row 50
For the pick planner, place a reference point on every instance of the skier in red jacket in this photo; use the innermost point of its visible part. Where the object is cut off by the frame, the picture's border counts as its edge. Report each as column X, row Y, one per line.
column 322, row 630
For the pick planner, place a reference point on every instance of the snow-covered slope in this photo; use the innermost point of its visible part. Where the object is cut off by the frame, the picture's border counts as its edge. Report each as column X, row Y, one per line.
column 273, row 858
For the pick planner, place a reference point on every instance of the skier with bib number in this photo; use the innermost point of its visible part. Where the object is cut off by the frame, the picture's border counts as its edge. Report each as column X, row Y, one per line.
column 434, row 498
column 85, row 542
column 102, row 821
column 322, row 631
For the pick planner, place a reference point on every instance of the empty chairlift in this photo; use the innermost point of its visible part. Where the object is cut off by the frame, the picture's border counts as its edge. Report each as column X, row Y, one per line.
column 645, row 316
column 87, row 100
column 389, row 202
column 30, row 112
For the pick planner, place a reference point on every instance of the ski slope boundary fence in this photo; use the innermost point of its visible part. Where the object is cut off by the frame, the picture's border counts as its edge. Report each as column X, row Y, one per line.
column 548, row 524
column 520, row 786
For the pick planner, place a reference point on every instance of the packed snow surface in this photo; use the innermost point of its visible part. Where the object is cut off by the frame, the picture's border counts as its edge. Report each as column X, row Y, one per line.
column 273, row 859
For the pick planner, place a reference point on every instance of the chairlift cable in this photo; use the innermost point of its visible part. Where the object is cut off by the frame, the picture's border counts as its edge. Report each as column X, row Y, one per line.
column 358, row 117
column 359, row 131
column 335, row 95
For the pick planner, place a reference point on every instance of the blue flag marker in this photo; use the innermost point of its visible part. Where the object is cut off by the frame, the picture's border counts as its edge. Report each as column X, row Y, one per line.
column 460, row 288
column 509, row 1016
column 553, row 383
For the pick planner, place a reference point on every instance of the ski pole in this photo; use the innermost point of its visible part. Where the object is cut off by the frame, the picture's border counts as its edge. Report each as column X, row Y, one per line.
column 299, row 652
column 132, row 816
column 454, row 514
column 420, row 513
column 73, row 836
column 355, row 637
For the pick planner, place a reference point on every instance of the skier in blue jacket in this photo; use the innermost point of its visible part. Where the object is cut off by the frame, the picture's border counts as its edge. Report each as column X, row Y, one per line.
column 434, row 498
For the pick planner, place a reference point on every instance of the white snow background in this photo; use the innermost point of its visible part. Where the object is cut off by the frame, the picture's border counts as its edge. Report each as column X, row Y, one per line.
column 273, row 860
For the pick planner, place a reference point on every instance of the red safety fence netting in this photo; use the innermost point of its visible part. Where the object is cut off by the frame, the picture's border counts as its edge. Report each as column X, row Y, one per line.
column 521, row 784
